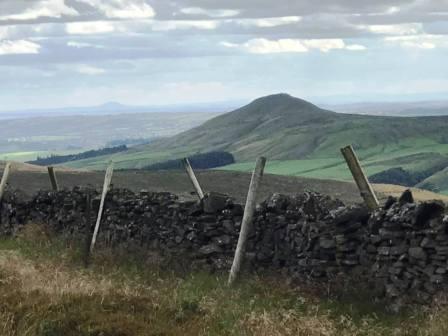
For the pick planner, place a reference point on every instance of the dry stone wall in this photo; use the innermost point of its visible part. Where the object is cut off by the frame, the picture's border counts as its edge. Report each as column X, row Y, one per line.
column 401, row 250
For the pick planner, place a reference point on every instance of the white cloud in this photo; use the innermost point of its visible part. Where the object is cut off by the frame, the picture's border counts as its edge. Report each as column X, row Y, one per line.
column 265, row 46
column 229, row 44
column 398, row 29
column 356, row 47
column 325, row 45
column 89, row 70
column 79, row 45
column 217, row 13
column 423, row 41
column 269, row 22
column 181, row 24
column 393, row 10
column 123, row 9
column 18, row 47
column 43, row 8
column 92, row 27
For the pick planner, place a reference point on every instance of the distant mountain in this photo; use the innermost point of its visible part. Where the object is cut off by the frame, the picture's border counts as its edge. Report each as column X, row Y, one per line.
column 283, row 128
column 264, row 126
column 419, row 108
column 114, row 108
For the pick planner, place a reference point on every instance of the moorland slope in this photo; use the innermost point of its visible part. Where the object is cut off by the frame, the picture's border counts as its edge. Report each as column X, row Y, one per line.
column 299, row 138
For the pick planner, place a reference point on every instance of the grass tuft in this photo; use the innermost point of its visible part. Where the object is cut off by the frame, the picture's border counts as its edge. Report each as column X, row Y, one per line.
column 45, row 291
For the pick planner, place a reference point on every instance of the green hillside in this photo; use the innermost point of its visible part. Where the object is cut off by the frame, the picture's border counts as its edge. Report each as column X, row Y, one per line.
column 437, row 182
column 300, row 138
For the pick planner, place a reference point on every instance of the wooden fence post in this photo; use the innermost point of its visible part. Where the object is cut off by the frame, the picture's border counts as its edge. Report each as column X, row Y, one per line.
column 360, row 178
column 53, row 179
column 193, row 178
column 4, row 180
column 107, row 179
column 247, row 219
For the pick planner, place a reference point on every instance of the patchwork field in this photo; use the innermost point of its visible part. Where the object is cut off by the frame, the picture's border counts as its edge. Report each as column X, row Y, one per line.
column 25, row 139
column 412, row 158
column 300, row 139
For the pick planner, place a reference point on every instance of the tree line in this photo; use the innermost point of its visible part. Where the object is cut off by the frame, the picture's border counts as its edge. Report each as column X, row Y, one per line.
column 198, row 161
column 58, row 159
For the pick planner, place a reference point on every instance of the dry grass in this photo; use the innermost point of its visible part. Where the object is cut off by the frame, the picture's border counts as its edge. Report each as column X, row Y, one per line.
column 419, row 194
column 48, row 298
column 26, row 167
column 288, row 323
column 44, row 291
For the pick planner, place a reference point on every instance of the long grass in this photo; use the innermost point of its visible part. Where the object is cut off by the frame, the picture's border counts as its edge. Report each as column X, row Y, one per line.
column 46, row 291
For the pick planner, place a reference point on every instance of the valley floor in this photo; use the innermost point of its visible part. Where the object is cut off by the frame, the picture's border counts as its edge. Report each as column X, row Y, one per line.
column 45, row 291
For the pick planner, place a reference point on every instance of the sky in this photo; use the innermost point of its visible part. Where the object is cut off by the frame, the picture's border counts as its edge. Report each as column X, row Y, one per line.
column 58, row 53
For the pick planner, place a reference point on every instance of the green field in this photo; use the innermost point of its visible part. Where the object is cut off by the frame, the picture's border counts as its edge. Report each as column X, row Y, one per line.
column 335, row 169
column 416, row 157
column 299, row 138
column 32, row 155
column 22, row 156
column 131, row 159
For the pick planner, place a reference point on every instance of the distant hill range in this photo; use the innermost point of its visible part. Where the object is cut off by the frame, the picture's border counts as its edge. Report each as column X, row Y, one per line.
column 114, row 108
column 402, row 109
column 299, row 138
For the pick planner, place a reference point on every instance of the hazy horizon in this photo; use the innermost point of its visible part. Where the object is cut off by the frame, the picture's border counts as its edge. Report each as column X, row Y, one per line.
column 226, row 106
column 63, row 53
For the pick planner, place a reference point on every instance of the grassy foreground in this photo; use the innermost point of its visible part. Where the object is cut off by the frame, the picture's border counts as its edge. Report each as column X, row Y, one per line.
column 45, row 291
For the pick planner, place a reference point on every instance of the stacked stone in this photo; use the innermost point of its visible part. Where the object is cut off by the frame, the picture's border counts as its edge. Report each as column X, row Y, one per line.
column 63, row 211
column 204, row 231
column 403, row 246
column 305, row 233
column 309, row 234
column 14, row 212
column 156, row 221
column 288, row 232
column 408, row 249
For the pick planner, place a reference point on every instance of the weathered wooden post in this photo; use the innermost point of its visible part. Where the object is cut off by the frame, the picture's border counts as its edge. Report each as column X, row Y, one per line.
column 193, row 179
column 5, row 178
column 107, row 179
column 360, row 178
column 53, row 180
column 247, row 219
